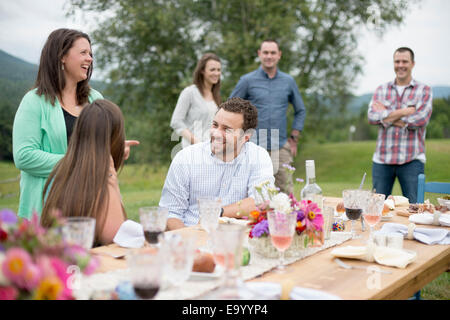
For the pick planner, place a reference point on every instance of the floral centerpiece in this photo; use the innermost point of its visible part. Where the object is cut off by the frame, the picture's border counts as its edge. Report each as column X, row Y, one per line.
column 35, row 263
column 308, row 231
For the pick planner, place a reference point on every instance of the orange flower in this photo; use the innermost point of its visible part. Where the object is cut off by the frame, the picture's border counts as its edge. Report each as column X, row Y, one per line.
column 254, row 214
column 50, row 288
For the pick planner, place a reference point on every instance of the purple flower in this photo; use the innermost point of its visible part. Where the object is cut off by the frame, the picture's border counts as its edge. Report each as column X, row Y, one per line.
column 299, row 180
column 260, row 229
column 8, row 216
column 300, row 215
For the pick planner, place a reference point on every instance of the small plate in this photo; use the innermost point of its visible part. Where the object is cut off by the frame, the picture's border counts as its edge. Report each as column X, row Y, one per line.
column 387, row 217
column 204, row 276
column 444, row 202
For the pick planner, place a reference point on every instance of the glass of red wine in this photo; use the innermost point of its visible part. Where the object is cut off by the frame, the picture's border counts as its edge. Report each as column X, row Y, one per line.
column 281, row 229
column 373, row 211
column 146, row 269
column 354, row 203
column 153, row 221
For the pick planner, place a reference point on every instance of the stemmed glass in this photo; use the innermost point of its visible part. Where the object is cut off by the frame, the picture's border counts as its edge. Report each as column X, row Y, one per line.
column 153, row 221
column 146, row 269
column 179, row 250
column 373, row 211
column 227, row 243
column 79, row 231
column 354, row 202
column 209, row 214
column 281, row 229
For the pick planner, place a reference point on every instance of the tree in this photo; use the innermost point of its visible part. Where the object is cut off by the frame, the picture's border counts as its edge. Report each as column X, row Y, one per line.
column 151, row 47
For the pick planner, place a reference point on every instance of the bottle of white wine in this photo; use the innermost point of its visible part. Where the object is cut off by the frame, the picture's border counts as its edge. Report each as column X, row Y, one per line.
column 312, row 191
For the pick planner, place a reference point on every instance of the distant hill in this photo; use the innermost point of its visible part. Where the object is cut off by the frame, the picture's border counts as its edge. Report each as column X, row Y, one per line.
column 18, row 76
column 362, row 101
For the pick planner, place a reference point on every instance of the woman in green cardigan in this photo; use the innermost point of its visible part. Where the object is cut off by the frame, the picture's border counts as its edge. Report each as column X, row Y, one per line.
column 46, row 115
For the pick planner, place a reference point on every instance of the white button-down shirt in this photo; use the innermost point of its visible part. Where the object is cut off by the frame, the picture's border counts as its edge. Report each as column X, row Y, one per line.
column 195, row 172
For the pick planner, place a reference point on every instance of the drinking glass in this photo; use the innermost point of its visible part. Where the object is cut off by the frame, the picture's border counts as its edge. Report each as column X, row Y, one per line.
column 79, row 231
column 281, row 229
column 153, row 221
column 373, row 211
column 179, row 251
column 328, row 218
column 354, row 204
column 209, row 209
column 227, row 243
column 146, row 270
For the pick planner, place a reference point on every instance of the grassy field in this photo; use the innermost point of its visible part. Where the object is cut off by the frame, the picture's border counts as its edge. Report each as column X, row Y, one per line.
column 338, row 166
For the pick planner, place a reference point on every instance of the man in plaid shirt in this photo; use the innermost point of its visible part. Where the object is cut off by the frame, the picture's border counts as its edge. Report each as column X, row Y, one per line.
column 401, row 109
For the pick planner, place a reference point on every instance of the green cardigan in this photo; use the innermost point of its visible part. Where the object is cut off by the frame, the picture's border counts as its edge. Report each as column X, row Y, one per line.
column 39, row 142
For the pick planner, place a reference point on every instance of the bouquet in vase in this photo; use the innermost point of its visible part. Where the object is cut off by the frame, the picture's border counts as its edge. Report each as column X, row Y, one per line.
column 308, row 230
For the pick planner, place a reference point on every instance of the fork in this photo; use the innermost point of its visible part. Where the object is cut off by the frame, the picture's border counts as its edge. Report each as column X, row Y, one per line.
column 347, row 266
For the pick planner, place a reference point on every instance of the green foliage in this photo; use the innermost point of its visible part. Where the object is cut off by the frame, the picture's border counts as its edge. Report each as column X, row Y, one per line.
column 439, row 125
column 6, row 124
column 151, row 47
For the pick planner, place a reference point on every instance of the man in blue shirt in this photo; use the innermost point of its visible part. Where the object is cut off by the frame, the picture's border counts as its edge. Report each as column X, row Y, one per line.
column 271, row 90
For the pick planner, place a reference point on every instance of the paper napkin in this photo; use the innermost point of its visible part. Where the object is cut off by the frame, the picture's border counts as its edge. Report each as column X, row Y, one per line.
column 130, row 235
column 382, row 255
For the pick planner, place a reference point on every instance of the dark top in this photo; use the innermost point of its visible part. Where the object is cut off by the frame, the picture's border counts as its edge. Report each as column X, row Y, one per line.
column 70, row 122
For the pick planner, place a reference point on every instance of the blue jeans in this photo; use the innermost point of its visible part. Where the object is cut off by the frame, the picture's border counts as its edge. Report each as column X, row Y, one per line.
column 383, row 177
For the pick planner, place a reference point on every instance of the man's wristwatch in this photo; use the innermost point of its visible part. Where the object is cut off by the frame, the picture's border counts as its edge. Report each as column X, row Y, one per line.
column 221, row 212
column 295, row 138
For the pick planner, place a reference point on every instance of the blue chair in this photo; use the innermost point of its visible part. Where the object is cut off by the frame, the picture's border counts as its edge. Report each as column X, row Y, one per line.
column 433, row 187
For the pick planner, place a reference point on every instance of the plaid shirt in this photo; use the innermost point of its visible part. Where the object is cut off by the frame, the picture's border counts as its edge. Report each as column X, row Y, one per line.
column 397, row 145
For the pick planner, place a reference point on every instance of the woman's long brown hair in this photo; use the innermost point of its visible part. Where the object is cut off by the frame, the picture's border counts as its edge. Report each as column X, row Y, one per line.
column 199, row 77
column 50, row 80
column 78, row 185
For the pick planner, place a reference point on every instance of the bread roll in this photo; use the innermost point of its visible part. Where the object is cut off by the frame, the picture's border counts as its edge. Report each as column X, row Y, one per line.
column 386, row 209
column 340, row 207
column 203, row 262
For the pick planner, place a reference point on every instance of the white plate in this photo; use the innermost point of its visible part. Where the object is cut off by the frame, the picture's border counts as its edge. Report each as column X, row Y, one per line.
column 444, row 202
column 387, row 217
column 204, row 276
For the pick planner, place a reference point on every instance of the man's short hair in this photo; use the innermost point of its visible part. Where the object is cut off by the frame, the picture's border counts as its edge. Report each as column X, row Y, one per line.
column 404, row 49
column 270, row 40
column 244, row 107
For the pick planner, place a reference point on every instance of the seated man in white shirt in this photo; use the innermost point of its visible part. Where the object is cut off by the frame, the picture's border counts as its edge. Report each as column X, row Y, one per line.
column 226, row 167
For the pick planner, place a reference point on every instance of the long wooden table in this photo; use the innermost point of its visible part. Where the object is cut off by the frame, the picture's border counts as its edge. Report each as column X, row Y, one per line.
column 319, row 271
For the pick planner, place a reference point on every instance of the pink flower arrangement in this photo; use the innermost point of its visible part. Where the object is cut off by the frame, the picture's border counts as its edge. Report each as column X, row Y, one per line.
column 35, row 262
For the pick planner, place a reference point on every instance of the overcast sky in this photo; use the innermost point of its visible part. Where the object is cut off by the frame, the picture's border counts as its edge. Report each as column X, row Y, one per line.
column 26, row 24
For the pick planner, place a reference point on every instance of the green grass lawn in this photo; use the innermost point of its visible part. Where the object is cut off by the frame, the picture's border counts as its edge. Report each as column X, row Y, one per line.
column 338, row 166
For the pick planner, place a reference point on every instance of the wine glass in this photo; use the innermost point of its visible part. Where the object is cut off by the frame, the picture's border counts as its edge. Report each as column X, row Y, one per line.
column 354, row 202
column 79, row 231
column 227, row 243
column 146, row 269
column 281, row 229
column 209, row 209
column 153, row 221
column 179, row 251
column 373, row 211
